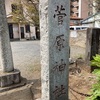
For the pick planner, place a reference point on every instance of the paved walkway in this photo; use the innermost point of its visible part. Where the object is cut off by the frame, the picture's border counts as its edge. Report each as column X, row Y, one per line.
column 26, row 57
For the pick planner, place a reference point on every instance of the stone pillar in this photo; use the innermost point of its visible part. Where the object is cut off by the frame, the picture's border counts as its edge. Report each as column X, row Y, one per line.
column 54, row 28
column 8, row 75
column 5, row 48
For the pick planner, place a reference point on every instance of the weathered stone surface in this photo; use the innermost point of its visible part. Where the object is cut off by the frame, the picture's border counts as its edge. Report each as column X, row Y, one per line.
column 54, row 28
column 5, row 48
column 22, row 93
column 7, row 79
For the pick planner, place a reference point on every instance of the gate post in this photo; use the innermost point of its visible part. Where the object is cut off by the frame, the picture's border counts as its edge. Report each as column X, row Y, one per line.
column 54, row 30
column 92, row 44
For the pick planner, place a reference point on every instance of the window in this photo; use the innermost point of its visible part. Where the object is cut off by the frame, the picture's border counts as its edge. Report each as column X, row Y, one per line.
column 27, row 27
column 14, row 7
column 83, row 27
column 73, row 0
column 17, row 8
column 29, row 1
column 71, row 28
column 78, row 28
column 72, row 6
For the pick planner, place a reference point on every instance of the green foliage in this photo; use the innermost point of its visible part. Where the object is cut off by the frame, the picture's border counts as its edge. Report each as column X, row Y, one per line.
column 26, row 12
column 96, row 61
column 32, row 13
column 17, row 12
column 95, row 91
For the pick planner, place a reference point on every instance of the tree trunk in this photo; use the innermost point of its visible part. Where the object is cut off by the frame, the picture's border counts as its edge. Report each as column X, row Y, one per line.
column 5, row 48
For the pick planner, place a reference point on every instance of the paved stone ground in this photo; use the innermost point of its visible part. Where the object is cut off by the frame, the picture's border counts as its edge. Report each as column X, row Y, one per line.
column 26, row 56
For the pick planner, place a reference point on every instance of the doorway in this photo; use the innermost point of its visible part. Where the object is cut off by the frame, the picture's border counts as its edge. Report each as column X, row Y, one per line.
column 22, row 32
column 10, row 27
column 37, row 33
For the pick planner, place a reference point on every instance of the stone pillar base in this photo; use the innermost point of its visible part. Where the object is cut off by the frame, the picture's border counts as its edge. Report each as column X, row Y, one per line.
column 7, row 79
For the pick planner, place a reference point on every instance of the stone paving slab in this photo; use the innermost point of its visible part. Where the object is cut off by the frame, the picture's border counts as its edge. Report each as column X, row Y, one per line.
column 22, row 93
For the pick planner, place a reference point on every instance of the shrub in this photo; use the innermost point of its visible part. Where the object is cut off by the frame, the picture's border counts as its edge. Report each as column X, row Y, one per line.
column 95, row 91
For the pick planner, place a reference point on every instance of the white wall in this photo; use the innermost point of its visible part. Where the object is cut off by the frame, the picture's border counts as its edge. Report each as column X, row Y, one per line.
column 79, row 9
column 16, row 26
column 32, row 29
column 97, row 24
column 15, row 31
column 8, row 6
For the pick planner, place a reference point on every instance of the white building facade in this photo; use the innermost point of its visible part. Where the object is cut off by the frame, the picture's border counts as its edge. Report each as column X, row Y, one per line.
column 17, row 30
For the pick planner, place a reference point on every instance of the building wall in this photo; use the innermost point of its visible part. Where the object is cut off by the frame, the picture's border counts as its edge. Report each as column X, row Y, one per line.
column 79, row 39
column 84, row 8
column 74, row 8
column 78, row 44
column 32, row 29
column 16, row 31
column 80, row 8
column 8, row 6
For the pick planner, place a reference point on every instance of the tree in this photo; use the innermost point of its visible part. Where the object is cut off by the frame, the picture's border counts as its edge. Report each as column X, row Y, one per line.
column 5, row 48
column 26, row 11
column 95, row 4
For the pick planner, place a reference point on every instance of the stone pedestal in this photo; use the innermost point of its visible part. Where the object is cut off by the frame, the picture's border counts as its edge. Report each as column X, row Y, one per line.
column 7, row 79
